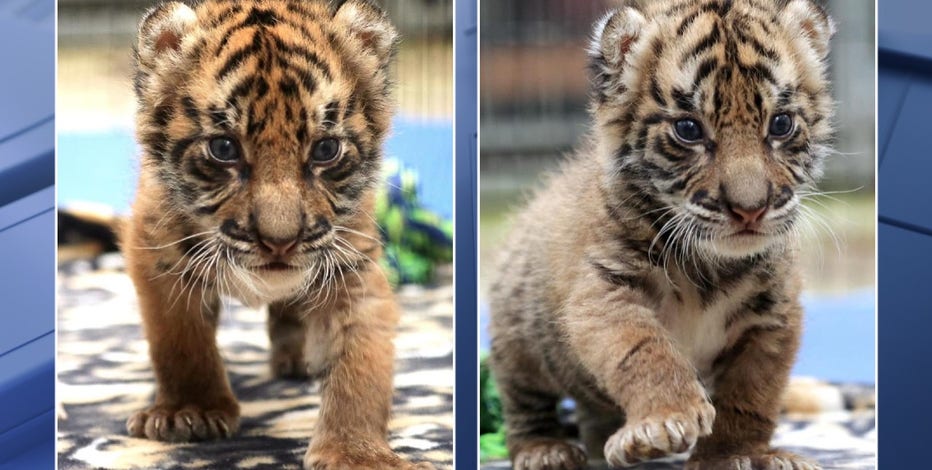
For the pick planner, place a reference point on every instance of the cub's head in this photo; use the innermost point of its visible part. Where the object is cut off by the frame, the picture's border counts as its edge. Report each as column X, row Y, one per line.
column 262, row 121
column 713, row 117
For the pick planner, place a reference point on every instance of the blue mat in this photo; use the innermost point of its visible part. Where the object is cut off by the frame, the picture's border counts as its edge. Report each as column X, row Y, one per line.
column 424, row 145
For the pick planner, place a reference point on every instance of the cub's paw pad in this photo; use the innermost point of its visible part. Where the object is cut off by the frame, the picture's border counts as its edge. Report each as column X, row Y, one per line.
column 185, row 424
column 288, row 365
column 658, row 436
column 549, row 454
column 777, row 460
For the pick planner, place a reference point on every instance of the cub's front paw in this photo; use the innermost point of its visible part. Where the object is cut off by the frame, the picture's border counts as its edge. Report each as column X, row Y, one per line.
column 183, row 424
column 357, row 457
column 773, row 460
column 548, row 454
column 659, row 436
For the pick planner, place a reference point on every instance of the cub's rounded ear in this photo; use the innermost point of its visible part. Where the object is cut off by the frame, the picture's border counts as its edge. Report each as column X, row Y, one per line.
column 161, row 31
column 368, row 24
column 609, row 49
column 810, row 21
column 614, row 35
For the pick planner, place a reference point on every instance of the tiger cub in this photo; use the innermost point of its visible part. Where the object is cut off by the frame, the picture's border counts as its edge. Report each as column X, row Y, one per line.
column 260, row 123
column 654, row 279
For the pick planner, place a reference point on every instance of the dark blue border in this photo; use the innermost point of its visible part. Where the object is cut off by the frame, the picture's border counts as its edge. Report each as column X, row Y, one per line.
column 466, row 388
column 904, row 234
column 27, row 236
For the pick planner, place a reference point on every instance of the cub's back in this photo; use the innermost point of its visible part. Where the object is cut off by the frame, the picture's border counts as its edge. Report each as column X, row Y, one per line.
column 545, row 246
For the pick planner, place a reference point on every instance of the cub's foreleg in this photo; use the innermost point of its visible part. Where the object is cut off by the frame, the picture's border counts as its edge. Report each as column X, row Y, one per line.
column 193, row 399
column 355, row 340
column 753, row 374
column 618, row 339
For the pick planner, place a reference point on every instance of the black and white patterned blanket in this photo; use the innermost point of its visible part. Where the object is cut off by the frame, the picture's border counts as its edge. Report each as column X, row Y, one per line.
column 104, row 375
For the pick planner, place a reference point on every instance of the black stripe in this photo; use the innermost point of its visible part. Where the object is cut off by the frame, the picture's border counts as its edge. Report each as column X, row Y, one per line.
column 257, row 123
column 321, row 228
column 212, row 208
column 748, row 414
column 667, row 146
column 705, row 69
column 761, row 49
column 241, row 89
column 704, row 44
column 190, row 110
column 231, row 229
column 758, row 71
column 785, row 195
column 342, row 170
column 623, row 279
column 654, row 118
column 261, row 18
column 761, row 303
column 684, row 100
column 219, row 117
column 657, row 172
column 311, row 57
column 725, row 7
column 623, row 364
column 157, row 143
column 162, row 114
column 687, row 22
column 729, row 355
column 656, row 93
column 262, row 87
column 180, row 147
column 237, row 58
column 784, row 98
column 288, row 86
column 331, row 111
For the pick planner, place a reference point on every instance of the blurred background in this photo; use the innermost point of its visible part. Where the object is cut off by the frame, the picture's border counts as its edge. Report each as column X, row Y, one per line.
column 533, row 94
column 96, row 103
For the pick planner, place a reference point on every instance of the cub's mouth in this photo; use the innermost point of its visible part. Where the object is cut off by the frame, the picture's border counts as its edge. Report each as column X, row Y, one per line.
column 748, row 232
column 276, row 266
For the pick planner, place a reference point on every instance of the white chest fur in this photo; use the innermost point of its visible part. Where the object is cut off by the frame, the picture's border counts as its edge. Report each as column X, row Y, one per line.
column 700, row 328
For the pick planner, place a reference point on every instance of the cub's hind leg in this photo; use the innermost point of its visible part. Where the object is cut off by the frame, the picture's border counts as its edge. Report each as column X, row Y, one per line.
column 596, row 425
column 535, row 437
column 287, row 336
column 193, row 399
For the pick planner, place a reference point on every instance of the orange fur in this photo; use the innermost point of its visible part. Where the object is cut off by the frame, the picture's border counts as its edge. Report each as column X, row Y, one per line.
column 261, row 123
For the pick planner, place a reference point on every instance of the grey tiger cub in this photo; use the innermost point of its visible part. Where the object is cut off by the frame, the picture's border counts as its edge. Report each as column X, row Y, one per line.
column 654, row 278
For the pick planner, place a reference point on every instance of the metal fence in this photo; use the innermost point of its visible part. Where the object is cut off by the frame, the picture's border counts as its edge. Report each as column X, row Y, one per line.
column 96, row 37
column 534, row 84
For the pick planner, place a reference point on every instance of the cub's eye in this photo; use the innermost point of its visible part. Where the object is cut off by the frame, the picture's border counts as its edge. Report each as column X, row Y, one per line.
column 688, row 130
column 325, row 150
column 781, row 125
column 223, row 149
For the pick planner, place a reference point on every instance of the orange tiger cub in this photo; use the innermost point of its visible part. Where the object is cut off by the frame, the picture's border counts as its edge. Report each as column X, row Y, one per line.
column 654, row 278
column 261, row 123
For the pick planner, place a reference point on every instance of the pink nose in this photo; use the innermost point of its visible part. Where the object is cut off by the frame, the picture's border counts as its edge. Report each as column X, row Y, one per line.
column 748, row 216
column 279, row 247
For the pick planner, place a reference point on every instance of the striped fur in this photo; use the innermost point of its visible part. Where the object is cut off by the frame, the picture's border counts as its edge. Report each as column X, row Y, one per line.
column 261, row 124
column 654, row 277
